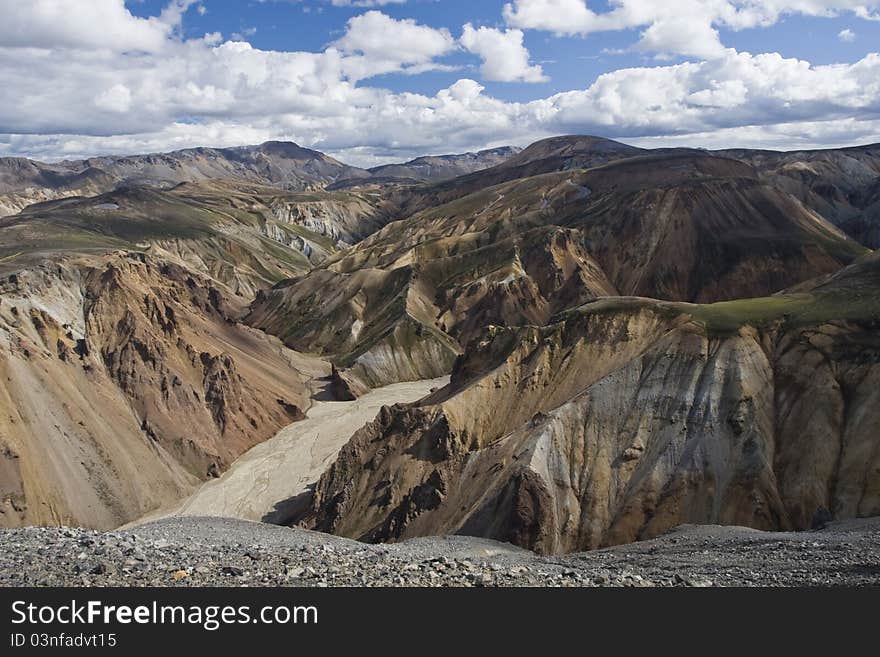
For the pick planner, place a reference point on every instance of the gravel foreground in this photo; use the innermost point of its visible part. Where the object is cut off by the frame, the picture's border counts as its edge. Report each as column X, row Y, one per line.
column 221, row 552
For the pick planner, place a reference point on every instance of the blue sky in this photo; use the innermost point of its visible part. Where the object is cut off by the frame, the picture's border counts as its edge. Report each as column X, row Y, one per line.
column 570, row 62
column 390, row 79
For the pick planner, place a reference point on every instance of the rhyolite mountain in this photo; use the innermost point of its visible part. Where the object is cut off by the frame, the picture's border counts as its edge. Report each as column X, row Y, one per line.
column 127, row 380
column 625, row 417
column 435, row 168
column 284, row 165
column 281, row 164
column 637, row 338
column 679, row 226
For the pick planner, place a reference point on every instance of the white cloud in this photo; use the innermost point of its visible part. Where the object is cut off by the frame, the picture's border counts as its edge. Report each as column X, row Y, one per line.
column 377, row 35
column 95, row 24
column 115, row 99
column 374, row 43
column 682, row 27
column 505, row 58
column 91, row 96
column 846, row 35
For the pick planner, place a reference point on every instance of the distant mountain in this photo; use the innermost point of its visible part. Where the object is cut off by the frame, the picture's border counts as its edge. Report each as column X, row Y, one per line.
column 545, row 156
column 435, row 168
column 280, row 164
column 284, row 165
column 23, row 182
column 843, row 185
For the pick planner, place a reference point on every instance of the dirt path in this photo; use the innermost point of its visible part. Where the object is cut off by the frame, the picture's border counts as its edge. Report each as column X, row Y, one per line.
column 265, row 481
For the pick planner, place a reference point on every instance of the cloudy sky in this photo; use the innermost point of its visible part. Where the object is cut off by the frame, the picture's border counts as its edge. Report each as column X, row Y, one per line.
column 371, row 81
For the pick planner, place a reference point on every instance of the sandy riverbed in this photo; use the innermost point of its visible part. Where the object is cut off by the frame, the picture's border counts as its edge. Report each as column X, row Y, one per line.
column 259, row 484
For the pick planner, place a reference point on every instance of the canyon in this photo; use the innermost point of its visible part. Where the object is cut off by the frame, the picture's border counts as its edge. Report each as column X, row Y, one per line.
column 567, row 347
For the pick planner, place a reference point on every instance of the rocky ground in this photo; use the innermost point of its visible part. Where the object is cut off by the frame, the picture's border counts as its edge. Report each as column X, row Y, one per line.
column 220, row 552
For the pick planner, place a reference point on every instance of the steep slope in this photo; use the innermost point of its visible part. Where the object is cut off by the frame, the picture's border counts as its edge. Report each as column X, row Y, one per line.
column 343, row 217
column 229, row 232
column 865, row 225
column 126, row 381
column 840, row 184
column 405, row 322
column 692, row 227
column 628, row 417
column 681, row 226
column 679, row 206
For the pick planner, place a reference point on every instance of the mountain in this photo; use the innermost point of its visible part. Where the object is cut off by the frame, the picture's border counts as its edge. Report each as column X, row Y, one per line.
column 284, row 165
column 23, row 182
column 628, row 416
column 435, row 168
column 230, row 233
column 843, row 185
column 680, row 226
column 636, row 338
column 280, row 164
column 127, row 381
column 545, row 156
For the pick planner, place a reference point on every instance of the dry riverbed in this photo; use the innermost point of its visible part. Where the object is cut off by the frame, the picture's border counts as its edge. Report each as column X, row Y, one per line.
column 264, row 482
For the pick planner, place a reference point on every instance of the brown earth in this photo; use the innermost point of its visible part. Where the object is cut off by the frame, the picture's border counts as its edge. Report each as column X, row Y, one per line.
column 127, row 380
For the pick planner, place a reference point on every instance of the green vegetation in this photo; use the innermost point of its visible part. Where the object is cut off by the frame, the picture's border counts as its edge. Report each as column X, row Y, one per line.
column 727, row 317
column 792, row 310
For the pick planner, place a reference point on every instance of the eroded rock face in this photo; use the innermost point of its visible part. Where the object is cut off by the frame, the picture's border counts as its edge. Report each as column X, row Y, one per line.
column 126, row 380
column 615, row 426
column 343, row 218
column 680, row 226
column 409, row 321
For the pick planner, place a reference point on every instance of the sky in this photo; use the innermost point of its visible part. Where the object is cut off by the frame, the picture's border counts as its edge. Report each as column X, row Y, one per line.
column 375, row 81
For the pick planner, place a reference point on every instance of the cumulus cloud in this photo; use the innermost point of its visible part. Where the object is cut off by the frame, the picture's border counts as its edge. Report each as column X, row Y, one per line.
column 681, row 27
column 848, row 36
column 375, row 44
column 92, row 95
column 100, row 24
column 505, row 58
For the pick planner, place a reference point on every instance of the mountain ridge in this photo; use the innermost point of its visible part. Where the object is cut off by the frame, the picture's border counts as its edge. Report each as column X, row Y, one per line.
column 636, row 338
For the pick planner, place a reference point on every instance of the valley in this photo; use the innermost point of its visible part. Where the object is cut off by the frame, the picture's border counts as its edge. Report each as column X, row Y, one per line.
column 267, row 482
column 563, row 348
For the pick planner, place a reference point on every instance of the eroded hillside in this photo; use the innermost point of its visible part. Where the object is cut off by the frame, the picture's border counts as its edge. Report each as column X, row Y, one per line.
column 684, row 226
column 622, row 357
column 627, row 417
column 127, row 380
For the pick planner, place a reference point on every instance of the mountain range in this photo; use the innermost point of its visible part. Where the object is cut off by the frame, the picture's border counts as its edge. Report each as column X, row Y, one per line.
column 636, row 339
